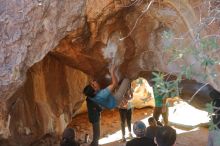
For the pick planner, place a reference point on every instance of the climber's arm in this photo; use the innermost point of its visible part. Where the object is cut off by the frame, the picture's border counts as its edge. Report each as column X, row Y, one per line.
column 114, row 82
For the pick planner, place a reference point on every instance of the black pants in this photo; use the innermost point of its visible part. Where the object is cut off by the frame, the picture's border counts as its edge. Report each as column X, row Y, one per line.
column 96, row 133
column 125, row 115
column 158, row 112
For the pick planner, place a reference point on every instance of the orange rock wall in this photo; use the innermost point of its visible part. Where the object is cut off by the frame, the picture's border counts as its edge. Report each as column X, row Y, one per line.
column 83, row 37
column 47, row 101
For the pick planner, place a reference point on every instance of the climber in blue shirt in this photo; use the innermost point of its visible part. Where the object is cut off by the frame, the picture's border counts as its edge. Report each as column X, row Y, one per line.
column 105, row 97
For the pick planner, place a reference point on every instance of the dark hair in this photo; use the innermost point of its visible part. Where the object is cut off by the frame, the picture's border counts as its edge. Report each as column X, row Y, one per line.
column 151, row 119
column 68, row 142
column 89, row 91
column 68, row 138
column 214, row 94
column 166, row 136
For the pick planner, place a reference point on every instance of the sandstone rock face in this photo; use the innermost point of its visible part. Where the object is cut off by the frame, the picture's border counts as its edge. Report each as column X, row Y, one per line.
column 46, row 102
column 88, row 36
column 29, row 30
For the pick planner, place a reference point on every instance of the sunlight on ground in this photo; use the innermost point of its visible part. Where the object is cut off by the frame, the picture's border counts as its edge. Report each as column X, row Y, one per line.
column 181, row 114
column 114, row 137
column 186, row 115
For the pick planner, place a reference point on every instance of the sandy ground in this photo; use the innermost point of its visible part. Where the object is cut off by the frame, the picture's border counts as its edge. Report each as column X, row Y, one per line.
column 111, row 134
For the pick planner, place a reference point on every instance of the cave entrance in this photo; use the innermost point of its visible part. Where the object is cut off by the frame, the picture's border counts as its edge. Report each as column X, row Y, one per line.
column 53, row 92
column 187, row 120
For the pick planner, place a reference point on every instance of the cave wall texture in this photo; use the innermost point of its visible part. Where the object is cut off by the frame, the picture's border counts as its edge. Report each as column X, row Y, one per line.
column 50, row 49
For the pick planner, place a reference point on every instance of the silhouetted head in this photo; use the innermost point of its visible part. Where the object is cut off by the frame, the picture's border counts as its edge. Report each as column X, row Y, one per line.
column 69, row 133
column 139, row 128
column 165, row 136
column 89, row 91
column 68, row 138
column 152, row 121
column 214, row 94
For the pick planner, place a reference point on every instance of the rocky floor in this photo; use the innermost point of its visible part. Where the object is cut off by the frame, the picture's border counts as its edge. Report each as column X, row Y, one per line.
column 111, row 134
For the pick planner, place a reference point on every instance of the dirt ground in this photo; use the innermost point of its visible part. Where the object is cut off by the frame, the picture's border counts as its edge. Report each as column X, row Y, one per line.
column 111, row 134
